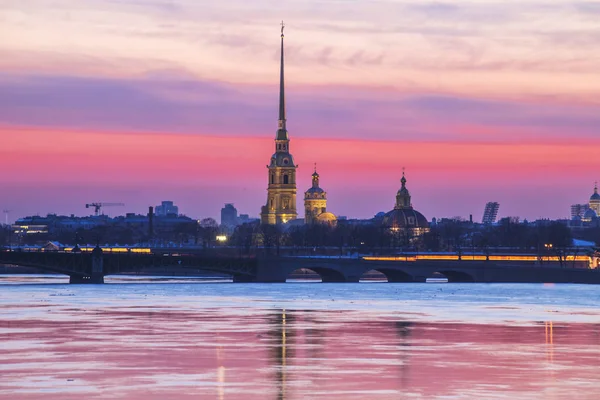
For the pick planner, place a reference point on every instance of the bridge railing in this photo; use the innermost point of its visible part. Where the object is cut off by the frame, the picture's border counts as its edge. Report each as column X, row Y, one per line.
column 571, row 260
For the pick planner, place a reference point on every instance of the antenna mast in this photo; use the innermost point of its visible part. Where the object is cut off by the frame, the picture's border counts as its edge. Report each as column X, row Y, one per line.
column 6, row 212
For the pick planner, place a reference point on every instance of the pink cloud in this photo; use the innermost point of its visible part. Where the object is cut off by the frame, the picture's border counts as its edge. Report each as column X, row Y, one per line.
column 204, row 171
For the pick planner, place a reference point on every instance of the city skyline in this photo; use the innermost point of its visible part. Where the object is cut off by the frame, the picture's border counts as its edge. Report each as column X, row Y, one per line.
column 481, row 116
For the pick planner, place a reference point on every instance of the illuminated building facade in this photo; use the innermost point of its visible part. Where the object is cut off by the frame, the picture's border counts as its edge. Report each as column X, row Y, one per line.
column 30, row 229
column 315, row 204
column 166, row 208
column 281, row 191
column 404, row 220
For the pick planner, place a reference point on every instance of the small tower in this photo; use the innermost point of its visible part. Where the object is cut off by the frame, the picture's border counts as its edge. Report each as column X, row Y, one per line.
column 315, row 200
column 595, row 200
column 403, row 196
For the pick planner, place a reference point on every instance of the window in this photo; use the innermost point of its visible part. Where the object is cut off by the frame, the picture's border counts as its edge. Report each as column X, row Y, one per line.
column 286, row 179
column 411, row 220
column 272, row 178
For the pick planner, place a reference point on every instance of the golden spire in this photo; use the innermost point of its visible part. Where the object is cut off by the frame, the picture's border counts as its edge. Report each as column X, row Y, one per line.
column 281, row 131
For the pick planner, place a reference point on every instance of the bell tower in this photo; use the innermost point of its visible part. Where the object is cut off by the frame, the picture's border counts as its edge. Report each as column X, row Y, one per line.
column 315, row 200
column 281, row 189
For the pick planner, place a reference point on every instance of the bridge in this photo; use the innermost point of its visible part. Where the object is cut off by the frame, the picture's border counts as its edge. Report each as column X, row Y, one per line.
column 92, row 266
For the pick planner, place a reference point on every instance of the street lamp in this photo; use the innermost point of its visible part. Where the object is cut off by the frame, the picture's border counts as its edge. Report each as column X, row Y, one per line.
column 548, row 247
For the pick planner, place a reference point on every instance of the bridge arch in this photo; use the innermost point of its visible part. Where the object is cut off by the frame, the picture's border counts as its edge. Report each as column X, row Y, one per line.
column 326, row 274
column 457, row 276
column 79, row 274
column 392, row 275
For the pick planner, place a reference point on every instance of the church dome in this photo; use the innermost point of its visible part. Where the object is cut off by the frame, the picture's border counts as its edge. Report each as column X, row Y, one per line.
column 404, row 218
column 326, row 218
column 313, row 190
column 404, row 215
column 589, row 214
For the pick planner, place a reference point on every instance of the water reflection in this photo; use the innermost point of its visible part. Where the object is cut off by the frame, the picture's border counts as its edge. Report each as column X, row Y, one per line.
column 281, row 340
column 59, row 347
column 403, row 332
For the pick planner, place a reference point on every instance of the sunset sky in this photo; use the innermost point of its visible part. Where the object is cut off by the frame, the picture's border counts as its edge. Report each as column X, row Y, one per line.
column 139, row 101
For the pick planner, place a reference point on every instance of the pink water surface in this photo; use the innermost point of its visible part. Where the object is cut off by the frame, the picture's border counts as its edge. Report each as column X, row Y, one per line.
column 66, row 346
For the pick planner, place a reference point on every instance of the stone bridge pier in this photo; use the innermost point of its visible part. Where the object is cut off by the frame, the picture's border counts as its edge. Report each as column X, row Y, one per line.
column 96, row 270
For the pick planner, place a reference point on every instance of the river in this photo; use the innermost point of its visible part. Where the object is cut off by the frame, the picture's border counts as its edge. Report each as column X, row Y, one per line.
column 169, row 338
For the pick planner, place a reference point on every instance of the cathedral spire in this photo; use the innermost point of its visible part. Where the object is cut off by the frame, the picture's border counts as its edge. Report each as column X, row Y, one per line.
column 281, row 129
column 281, row 191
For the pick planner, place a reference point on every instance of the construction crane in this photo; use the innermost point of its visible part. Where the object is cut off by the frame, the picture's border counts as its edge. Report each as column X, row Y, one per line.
column 98, row 206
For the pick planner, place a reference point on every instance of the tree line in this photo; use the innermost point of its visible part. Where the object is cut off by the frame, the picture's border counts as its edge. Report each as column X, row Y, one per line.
column 452, row 235
column 449, row 235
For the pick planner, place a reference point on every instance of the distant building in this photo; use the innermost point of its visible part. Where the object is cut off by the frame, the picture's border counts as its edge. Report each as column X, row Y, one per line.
column 53, row 223
column 516, row 220
column 166, row 208
column 229, row 216
column 586, row 215
column 578, row 210
column 490, row 213
column 29, row 229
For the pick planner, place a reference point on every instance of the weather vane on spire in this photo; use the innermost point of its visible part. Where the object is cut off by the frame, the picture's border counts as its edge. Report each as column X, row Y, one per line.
column 282, row 26
column 315, row 167
column 403, row 168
